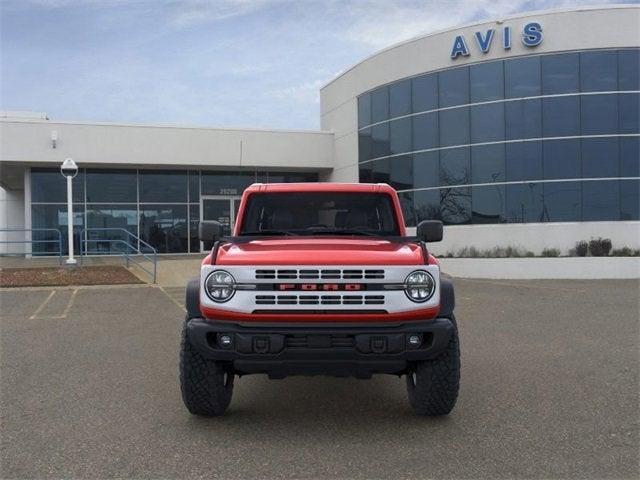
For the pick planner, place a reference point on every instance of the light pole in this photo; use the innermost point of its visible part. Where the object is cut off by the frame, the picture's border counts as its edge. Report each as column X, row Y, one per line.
column 69, row 169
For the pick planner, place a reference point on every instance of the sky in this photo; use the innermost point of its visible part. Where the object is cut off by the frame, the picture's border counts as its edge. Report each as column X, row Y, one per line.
column 217, row 63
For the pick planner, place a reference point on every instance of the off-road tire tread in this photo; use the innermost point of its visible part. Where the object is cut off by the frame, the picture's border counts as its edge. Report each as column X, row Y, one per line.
column 438, row 382
column 202, row 381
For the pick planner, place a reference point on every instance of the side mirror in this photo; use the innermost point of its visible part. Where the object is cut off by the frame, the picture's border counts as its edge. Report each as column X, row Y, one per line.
column 429, row 230
column 209, row 232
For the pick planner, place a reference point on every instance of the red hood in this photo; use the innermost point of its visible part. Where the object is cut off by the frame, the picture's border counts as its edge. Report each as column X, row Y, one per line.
column 320, row 251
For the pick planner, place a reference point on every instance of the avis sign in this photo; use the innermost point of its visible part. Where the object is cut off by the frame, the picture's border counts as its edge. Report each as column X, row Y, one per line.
column 531, row 37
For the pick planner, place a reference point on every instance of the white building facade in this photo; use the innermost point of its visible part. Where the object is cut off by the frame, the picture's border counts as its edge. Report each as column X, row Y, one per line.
column 521, row 131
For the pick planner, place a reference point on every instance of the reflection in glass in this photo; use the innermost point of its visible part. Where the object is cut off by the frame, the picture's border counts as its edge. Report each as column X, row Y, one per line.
column 425, row 131
column 226, row 183
column 488, row 204
column 454, row 87
column 455, row 205
column 55, row 216
column 599, row 71
column 487, row 163
column 426, row 204
column 163, row 186
column 365, row 145
column 380, row 171
column 454, row 166
column 426, row 169
column 364, row 110
column 400, row 135
column 629, row 112
column 194, row 186
column 561, row 159
column 600, row 157
column 454, row 127
column 561, row 116
column 560, row 73
column 424, row 92
column 630, row 157
column 487, row 81
column 380, row 140
column 524, row 203
column 523, row 119
column 522, row 77
column 114, row 218
column 401, row 172
column 601, row 200
column 523, row 161
column 562, row 202
column 629, row 69
column 380, row 104
column 112, row 186
column 630, row 200
column 165, row 227
column 599, row 114
column 194, row 221
column 487, row 123
column 48, row 185
column 400, row 98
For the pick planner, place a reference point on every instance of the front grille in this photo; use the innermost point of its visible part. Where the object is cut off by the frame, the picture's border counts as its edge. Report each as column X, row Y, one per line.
column 319, row 274
column 319, row 341
column 319, row 299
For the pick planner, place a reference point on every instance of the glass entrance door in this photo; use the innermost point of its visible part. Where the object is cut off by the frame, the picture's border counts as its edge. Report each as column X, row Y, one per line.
column 221, row 209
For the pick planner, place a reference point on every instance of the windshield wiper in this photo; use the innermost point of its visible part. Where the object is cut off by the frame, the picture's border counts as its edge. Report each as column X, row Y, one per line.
column 268, row 232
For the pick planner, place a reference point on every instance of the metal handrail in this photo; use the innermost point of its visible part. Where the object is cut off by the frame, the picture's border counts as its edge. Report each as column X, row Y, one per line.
column 32, row 241
column 125, row 252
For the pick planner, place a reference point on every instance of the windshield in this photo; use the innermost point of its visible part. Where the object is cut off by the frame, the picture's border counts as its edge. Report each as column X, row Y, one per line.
column 319, row 213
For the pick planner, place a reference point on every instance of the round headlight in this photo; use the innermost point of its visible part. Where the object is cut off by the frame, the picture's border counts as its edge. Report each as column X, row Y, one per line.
column 220, row 286
column 420, row 286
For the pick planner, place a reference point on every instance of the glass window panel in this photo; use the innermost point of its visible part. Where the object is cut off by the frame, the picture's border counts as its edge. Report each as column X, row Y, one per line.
column 165, row 227
column 630, row 200
column 454, row 127
column 599, row 114
column 112, row 186
column 454, row 87
column 424, row 93
column 115, row 218
column 629, row 112
column 365, row 173
column 524, row 203
column 455, row 205
column 630, row 157
column 488, row 204
column 194, row 221
column 426, row 169
column 599, row 71
column 487, row 81
column 380, row 140
column 365, row 145
column 400, row 135
column 454, row 166
column 600, row 200
column 487, row 164
column 523, row 161
column 226, row 183
column 380, row 104
column 400, row 98
column 401, row 172
column 55, row 216
column 163, row 186
column 425, row 131
column 364, row 110
column 562, row 201
column 561, row 159
column 629, row 69
column 522, row 77
column 523, row 119
column 408, row 212
column 49, row 186
column 561, row 116
column 487, row 123
column 194, row 186
column 560, row 73
column 380, row 171
column 426, row 204
column 600, row 157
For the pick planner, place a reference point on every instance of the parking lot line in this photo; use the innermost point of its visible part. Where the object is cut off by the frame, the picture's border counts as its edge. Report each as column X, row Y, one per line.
column 42, row 305
column 172, row 299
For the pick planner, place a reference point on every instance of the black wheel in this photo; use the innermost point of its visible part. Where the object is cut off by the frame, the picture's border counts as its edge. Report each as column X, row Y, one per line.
column 433, row 385
column 206, row 385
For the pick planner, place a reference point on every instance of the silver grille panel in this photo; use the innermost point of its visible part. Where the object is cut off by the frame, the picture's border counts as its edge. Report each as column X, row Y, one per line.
column 319, row 299
column 319, row 274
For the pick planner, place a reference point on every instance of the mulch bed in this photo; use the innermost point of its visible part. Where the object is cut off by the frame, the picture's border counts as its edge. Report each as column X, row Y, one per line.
column 63, row 276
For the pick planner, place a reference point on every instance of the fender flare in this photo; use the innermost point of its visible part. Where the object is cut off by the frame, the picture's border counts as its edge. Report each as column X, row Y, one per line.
column 447, row 298
column 192, row 299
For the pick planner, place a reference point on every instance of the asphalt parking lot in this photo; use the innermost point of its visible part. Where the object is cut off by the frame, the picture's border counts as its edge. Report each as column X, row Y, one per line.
column 89, row 389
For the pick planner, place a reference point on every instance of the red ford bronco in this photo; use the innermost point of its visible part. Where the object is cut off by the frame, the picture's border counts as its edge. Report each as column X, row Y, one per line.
column 320, row 279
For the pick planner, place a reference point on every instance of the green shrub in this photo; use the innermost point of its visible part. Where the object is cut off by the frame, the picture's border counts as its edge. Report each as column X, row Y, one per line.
column 581, row 248
column 624, row 252
column 600, row 247
column 550, row 252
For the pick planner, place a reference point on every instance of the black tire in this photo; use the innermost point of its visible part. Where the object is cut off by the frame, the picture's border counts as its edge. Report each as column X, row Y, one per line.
column 206, row 385
column 433, row 385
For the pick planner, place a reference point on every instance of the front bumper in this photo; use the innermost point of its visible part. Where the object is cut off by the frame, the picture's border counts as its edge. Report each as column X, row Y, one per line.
column 280, row 350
